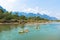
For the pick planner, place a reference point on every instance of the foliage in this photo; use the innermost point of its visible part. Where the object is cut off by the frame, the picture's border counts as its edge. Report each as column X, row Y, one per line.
column 9, row 16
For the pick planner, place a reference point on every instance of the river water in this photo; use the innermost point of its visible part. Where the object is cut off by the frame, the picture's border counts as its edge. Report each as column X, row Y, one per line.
column 36, row 31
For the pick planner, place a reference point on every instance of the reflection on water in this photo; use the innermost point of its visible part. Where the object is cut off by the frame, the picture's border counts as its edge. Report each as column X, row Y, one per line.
column 37, row 26
column 23, row 29
column 30, row 32
column 7, row 27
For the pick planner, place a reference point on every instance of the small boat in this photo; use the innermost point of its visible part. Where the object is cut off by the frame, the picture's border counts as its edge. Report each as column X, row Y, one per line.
column 24, row 31
column 21, row 31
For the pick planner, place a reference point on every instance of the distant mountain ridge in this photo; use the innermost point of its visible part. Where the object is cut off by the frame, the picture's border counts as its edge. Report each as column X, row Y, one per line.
column 32, row 14
column 3, row 9
column 37, row 14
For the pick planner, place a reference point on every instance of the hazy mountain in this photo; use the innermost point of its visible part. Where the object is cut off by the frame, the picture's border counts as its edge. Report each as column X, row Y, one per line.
column 32, row 14
column 49, row 17
column 37, row 14
column 3, row 9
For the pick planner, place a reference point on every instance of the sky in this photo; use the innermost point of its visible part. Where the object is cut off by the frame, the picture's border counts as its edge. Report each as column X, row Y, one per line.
column 49, row 7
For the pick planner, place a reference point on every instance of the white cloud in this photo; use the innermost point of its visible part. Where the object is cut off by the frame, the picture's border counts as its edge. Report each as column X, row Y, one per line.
column 33, row 10
column 42, row 11
column 20, row 5
column 37, row 10
column 10, row 1
column 13, row 5
column 7, row 4
column 30, row 10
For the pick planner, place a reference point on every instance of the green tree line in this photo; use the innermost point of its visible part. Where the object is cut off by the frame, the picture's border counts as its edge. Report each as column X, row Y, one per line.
column 9, row 16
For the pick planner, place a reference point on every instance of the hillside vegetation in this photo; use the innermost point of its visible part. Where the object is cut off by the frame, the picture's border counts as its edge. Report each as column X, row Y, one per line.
column 9, row 17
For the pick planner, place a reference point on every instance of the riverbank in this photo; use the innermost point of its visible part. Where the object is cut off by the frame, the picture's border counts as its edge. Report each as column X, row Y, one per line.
column 29, row 22
column 9, row 23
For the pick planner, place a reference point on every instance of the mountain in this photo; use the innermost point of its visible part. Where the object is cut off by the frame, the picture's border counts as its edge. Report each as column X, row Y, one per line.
column 49, row 17
column 1, row 8
column 31, row 14
column 37, row 14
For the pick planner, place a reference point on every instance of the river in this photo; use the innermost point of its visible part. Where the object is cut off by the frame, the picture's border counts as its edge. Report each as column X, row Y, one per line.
column 50, row 31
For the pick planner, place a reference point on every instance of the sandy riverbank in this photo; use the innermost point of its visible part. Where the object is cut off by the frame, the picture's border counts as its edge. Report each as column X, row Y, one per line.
column 28, row 23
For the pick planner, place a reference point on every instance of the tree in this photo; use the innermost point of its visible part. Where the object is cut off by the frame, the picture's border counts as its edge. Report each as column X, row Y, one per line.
column 15, row 16
column 1, row 13
column 7, row 16
column 22, row 17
